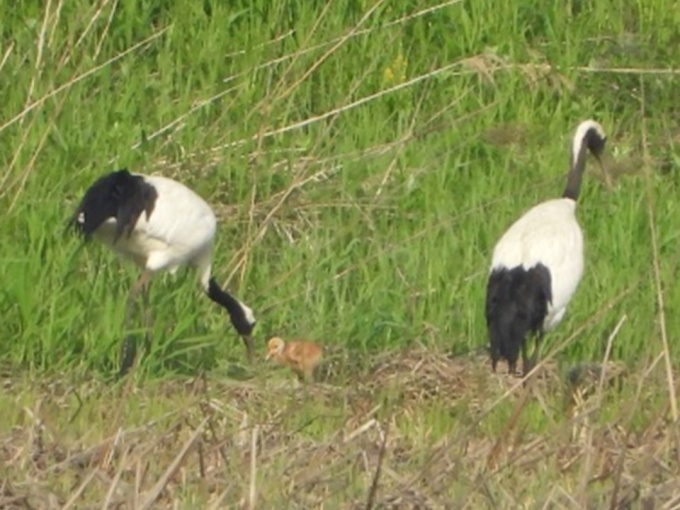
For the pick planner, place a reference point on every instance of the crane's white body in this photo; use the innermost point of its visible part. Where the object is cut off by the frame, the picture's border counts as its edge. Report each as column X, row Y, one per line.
column 179, row 231
column 549, row 234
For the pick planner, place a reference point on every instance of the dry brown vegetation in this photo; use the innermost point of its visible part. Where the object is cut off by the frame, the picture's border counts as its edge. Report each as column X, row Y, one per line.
column 415, row 429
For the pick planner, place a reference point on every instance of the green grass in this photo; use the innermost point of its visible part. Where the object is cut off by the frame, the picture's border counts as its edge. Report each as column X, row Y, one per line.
column 362, row 157
column 391, row 241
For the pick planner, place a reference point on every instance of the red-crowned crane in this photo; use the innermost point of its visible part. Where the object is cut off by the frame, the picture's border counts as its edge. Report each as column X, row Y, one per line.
column 160, row 225
column 537, row 264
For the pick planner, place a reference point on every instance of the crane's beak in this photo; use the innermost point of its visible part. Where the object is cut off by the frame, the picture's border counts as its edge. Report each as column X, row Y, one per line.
column 603, row 166
column 248, row 340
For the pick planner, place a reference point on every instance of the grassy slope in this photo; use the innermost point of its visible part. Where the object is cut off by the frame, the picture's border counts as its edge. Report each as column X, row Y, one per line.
column 362, row 159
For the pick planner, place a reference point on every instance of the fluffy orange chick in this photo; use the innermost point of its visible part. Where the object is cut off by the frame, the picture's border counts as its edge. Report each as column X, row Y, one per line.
column 301, row 356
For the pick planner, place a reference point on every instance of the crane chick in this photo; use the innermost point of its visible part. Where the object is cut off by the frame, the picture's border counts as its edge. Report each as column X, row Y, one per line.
column 160, row 225
column 538, row 263
column 301, row 356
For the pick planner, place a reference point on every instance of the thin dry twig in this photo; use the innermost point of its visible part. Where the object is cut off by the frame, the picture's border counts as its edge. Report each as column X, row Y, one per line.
column 373, row 492
column 6, row 55
column 116, row 479
column 361, row 101
column 655, row 256
column 198, row 106
column 252, row 493
column 81, row 488
column 365, row 31
column 31, row 163
column 105, row 32
column 155, row 492
column 330, row 51
column 40, row 43
column 496, row 65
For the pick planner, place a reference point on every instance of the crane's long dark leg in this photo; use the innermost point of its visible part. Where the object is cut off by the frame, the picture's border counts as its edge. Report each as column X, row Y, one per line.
column 526, row 363
column 537, row 345
column 128, row 351
column 148, row 317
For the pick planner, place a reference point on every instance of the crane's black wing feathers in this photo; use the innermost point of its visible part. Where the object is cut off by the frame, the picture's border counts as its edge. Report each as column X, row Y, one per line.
column 118, row 195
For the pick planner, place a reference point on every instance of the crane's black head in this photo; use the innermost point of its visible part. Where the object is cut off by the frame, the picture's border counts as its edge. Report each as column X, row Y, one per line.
column 118, row 195
column 595, row 140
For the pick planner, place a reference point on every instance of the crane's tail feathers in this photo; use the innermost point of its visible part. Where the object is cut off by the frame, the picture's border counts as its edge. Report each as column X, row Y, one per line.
column 516, row 305
column 507, row 334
